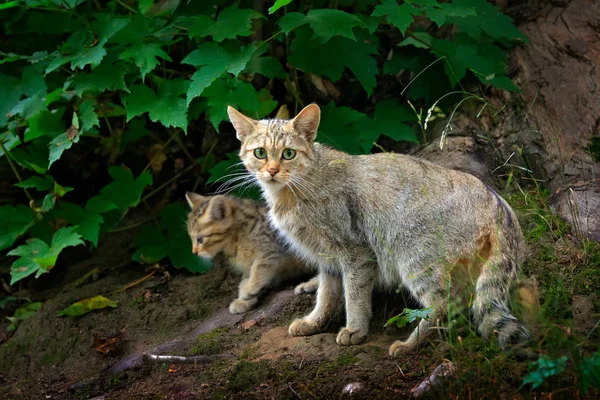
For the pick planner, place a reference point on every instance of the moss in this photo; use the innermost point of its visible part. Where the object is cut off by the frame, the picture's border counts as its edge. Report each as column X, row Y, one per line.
column 556, row 300
column 209, row 343
column 474, row 344
column 345, row 359
column 247, row 375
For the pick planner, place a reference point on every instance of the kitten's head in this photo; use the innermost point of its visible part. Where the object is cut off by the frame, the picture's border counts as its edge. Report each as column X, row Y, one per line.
column 277, row 151
column 209, row 223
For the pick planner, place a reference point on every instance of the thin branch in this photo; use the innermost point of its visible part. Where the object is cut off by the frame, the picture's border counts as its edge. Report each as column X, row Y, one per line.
column 158, row 359
column 15, row 170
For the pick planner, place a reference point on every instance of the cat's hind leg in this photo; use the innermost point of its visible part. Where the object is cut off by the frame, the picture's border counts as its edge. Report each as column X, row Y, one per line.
column 429, row 297
column 328, row 296
column 491, row 307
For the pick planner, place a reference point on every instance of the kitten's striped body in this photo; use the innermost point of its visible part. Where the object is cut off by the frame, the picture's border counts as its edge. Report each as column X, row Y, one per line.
column 238, row 228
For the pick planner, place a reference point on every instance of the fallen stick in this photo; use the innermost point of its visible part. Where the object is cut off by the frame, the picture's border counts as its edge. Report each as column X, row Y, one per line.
column 159, row 359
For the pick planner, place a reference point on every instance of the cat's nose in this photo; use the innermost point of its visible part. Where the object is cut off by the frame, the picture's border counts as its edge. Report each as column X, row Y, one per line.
column 273, row 171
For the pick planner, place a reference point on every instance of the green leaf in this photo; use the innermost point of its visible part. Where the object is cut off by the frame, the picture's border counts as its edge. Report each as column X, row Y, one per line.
column 107, row 76
column 11, row 4
column 170, row 240
column 125, row 191
column 337, row 129
column 401, row 16
column 83, row 307
column 88, row 116
column 46, row 123
column 229, row 166
column 387, row 120
column 330, row 59
column 267, row 66
column 57, row 146
column 231, row 23
column 546, row 367
column 5, row 300
column 16, row 220
column 22, row 313
column 88, row 220
column 33, row 156
column 488, row 19
column 278, row 4
column 41, row 183
column 589, row 370
column 215, row 61
column 145, row 6
column 326, row 23
column 145, row 56
column 238, row 94
column 37, row 256
column 166, row 107
column 408, row 316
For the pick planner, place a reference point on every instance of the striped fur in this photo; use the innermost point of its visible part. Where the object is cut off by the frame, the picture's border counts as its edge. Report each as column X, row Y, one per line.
column 385, row 219
column 238, row 228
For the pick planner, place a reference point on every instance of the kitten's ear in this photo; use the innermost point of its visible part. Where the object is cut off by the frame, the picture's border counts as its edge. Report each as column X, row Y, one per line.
column 307, row 122
column 219, row 208
column 242, row 124
column 194, row 199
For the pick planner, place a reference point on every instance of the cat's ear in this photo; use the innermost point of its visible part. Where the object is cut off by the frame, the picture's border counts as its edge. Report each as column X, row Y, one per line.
column 194, row 199
column 219, row 208
column 242, row 124
column 307, row 122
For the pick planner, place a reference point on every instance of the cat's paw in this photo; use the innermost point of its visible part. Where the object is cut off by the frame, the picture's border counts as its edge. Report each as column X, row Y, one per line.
column 347, row 337
column 307, row 287
column 303, row 327
column 400, row 347
column 250, row 291
column 239, row 306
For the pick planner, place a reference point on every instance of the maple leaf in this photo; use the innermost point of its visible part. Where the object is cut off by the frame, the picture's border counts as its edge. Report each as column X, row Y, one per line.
column 145, row 56
column 231, row 23
column 166, row 106
column 326, row 23
column 215, row 60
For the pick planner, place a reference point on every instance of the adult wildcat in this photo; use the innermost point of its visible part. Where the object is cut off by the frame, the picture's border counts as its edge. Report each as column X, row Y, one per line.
column 238, row 229
column 384, row 218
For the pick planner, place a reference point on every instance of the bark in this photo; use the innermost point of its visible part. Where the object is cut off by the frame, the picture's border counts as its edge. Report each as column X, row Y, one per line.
column 552, row 123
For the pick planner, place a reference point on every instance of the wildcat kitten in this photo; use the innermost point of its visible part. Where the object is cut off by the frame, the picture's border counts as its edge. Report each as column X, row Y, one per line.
column 388, row 219
column 238, row 228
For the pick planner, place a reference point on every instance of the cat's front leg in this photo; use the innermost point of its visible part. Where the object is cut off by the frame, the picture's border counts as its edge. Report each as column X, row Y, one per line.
column 328, row 296
column 262, row 273
column 358, row 283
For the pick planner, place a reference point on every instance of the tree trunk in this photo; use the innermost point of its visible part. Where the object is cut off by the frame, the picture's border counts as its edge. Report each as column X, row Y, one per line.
column 552, row 123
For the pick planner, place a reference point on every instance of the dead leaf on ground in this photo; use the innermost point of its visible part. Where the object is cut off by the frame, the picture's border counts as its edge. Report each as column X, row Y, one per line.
column 173, row 369
column 249, row 324
column 110, row 345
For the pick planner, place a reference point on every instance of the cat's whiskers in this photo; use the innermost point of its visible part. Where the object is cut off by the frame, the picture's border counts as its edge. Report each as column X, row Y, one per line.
column 248, row 182
column 304, row 187
column 229, row 182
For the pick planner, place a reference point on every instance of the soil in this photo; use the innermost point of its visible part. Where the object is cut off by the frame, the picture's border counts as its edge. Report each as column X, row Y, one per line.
column 250, row 356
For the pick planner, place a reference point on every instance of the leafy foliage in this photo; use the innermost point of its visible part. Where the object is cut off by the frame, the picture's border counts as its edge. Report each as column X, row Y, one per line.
column 408, row 316
column 545, row 367
column 94, row 101
column 22, row 313
column 83, row 307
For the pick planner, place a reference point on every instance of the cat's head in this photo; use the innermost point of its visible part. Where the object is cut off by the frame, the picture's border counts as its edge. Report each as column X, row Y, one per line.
column 209, row 223
column 276, row 151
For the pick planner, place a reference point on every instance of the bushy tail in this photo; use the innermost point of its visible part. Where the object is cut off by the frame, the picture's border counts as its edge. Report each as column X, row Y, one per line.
column 491, row 307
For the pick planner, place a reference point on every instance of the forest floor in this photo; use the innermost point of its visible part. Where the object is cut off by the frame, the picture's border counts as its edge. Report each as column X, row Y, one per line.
column 52, row 357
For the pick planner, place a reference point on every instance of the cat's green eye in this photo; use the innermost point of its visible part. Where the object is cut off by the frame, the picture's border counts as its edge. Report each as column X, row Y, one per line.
column 288, row 154
column 260, row 153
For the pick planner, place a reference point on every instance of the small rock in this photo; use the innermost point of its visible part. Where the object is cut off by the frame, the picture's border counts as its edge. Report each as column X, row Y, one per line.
column 353, row 388
column 363, row 358
column 435, row 379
